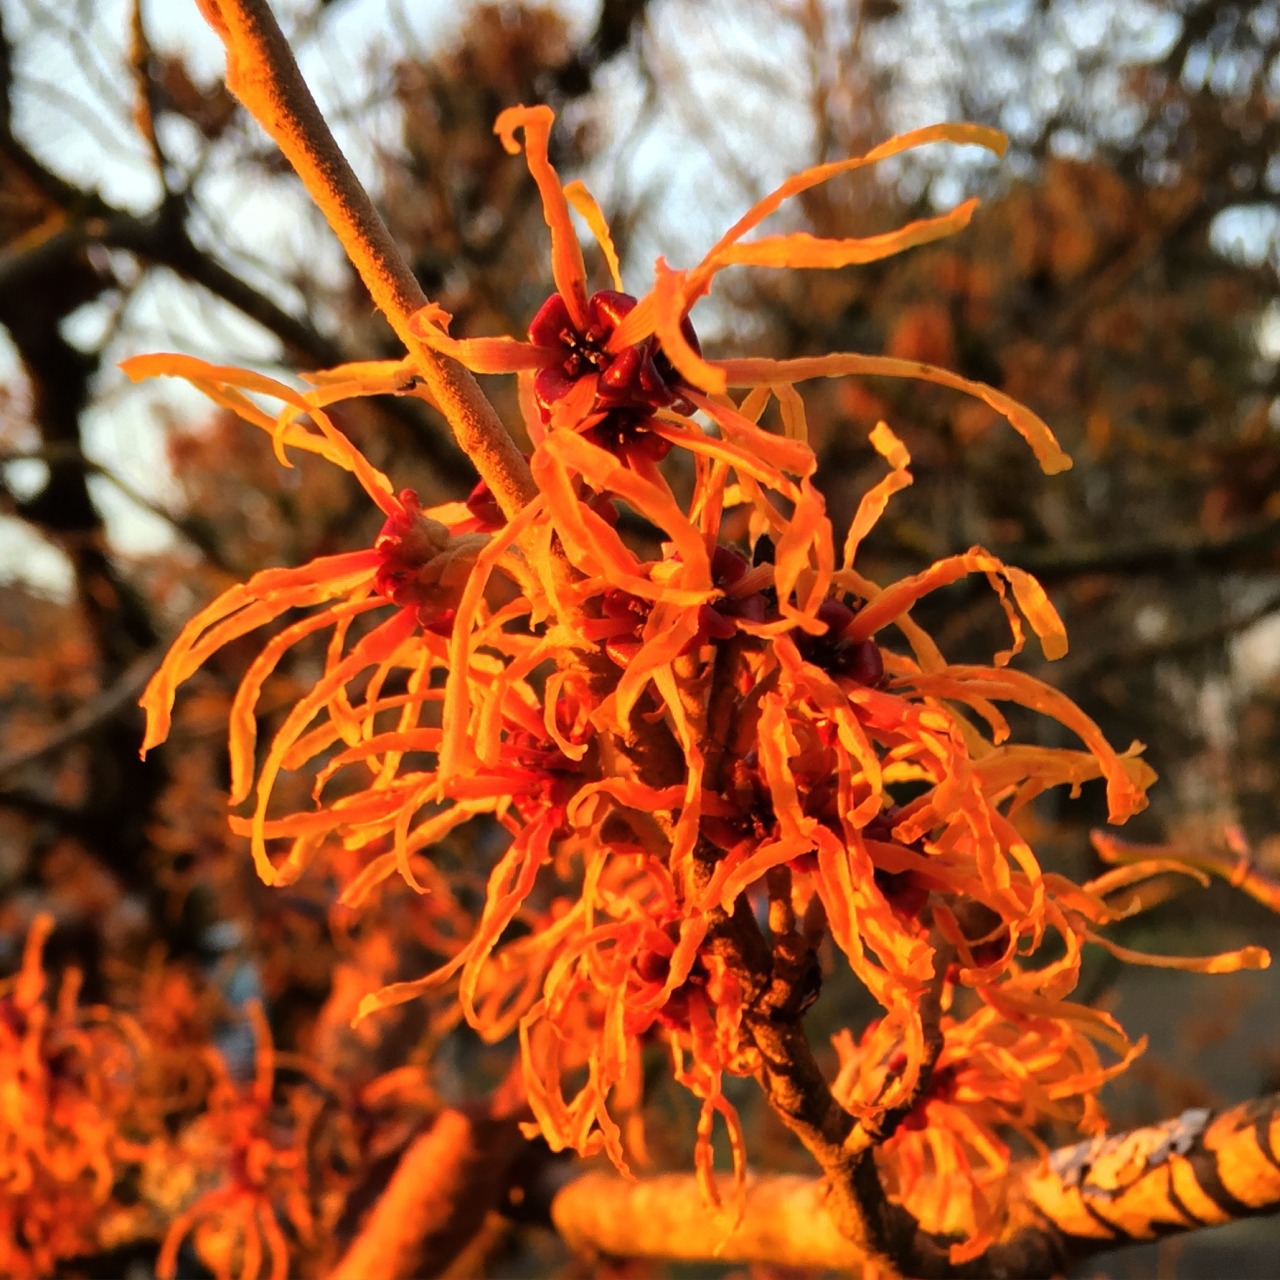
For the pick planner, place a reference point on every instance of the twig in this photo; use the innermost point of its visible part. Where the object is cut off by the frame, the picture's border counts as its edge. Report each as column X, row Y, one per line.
column 188, row 528
column 262, row 73
column 778, row 987
column 444, row 1186
column 96, row 712
column 162, row 239
column 1054, row 564
column 141, row 58
column 1189, row 640
column 785, row 1220
column 780, row 978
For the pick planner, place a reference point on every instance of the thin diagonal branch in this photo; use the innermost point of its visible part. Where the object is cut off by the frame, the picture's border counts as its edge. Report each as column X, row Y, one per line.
column 98, row 711
column 262, row 73
column 779, row 981
column 437, row 1199
column 1058, row 564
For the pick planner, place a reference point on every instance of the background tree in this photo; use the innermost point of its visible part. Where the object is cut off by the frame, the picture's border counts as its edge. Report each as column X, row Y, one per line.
column 1119, row 279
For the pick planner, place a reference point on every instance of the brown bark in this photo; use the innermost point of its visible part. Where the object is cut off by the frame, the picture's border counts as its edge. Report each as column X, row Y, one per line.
column 1194, row 1171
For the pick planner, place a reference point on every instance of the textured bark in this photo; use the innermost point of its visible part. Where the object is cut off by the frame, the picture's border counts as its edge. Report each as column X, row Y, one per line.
column 1194, row 1171
column 785, row 1219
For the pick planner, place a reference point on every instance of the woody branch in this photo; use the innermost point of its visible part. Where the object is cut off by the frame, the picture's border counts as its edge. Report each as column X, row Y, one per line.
column 262, row 73
column 1197, row 1170
column 781, row 977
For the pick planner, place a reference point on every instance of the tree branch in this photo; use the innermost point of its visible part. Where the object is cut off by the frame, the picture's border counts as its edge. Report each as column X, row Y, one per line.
column 1195, row 1171
column 1055, row 564
column 1076, row 672
column 447, row 1181
column 780, row 981
column 94, row 713
column 262, row 73
column 161, row 239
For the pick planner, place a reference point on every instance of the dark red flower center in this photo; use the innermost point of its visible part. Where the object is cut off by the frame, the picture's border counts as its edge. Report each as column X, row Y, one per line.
column 631, row 384
column 941, row 1087
column 542, row 776
column 719, row 620
column 653, row 965
column 836, row 653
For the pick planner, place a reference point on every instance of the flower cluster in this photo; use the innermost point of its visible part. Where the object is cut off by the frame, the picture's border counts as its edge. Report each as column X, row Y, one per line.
column 1005, row 1070
column 255, row 1179
column 69, row 1116
column 657, row 735
column 110, row 1118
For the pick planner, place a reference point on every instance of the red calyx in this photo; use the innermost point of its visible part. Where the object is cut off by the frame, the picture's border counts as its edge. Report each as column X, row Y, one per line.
column 631, row 384
column 405, row 545
column 857, row 660
column 484, row 507
column 653, row 965
column 719, row 620
column 622, row 618
column 881, row 826
column 551, row 777
column 942, row 1086
column 906, row 896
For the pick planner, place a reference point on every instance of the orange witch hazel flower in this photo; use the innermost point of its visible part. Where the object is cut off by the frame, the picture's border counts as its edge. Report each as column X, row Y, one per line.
column 70, row 1121
column 994, row 1078
column 605, row 364
column 668, row 740
column 255, row 1180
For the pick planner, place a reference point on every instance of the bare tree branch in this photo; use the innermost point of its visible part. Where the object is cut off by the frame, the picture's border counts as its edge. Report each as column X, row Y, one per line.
column 1194, row 1171
column 1053, row 564
column 262, row 73
column 446, row 1183
column 90, row 716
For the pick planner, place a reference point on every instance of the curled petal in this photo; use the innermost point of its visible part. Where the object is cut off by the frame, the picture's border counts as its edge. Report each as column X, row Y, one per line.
column 960, row 134
column 791, row 457
column 480, row 355
column 374, row 648
column 224, row 385
column 660, row 313
column 235, row 613
column 567, row 267
column 763, row 372
column 243, row 724
column 1125, row 795
column 872, row 504
column 1223, row 962
column 668, row 312
column 648, row 494
column 801, row 250
column 888, row 605
column 585, row 203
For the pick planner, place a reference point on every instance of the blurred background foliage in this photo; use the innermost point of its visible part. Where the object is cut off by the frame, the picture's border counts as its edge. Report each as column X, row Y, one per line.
column 1120, row 278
